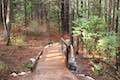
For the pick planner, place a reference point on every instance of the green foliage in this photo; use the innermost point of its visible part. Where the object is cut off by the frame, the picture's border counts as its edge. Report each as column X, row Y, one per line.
column 19, row 10
column 27, row 66
column 94, row 34
column 97, row 69
column 93, row 25
column 53, row 11
column 24, row 67
column 28, row 6
column 118, row 34
column 108, row 44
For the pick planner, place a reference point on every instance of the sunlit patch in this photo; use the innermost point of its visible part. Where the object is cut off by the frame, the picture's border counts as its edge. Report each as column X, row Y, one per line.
column 54, row 58
column 53, row 51
column 53, row 55
column 56, row 44
column 31, row 47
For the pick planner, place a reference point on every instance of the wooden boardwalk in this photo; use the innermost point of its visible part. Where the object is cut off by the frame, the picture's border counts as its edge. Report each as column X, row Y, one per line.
column 51, row 66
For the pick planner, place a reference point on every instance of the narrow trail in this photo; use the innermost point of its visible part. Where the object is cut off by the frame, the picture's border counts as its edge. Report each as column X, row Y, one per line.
column 51, row 66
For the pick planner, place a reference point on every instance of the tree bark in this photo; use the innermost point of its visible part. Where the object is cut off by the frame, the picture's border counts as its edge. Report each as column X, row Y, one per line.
column 100, row 9
column 25, row 9
column 114, row 15
column 6, row 19
column 8, row 24
column 117, row 18
column 105, row 11
column 0, row 11
column 62, row 16
column 109, row 16
column 65, row 16
column 77, row 3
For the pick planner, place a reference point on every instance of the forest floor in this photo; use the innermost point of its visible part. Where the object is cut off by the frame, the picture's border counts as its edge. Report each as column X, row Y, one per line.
column 15, row 57
column 52, row 63
column 84, row 67
column 51, row 66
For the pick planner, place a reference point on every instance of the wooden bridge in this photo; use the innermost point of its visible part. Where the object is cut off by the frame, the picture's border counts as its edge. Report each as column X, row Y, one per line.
column 51, row 66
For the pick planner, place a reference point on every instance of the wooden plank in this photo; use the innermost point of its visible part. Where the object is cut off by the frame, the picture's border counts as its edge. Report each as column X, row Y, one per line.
column 52, row 66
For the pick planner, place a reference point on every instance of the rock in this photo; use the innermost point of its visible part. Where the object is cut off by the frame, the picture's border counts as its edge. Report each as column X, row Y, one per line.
column 14, row 74
column 85, row 77
column 82, row 75
column 19, row 74
column 32, row 60
column 89, row 78
column 28, row 72
column 41, row 56
column 72, row 66
column 22, row 73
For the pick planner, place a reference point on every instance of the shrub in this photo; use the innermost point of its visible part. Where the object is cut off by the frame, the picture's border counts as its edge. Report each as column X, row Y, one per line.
column 95, row 36
column 17, row 40
column 93, row 33
column 108, row 44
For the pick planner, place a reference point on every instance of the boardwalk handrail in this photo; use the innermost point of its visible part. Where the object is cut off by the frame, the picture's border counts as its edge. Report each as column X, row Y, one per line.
column 64, row 42
column 38, row 57
column 69, row 55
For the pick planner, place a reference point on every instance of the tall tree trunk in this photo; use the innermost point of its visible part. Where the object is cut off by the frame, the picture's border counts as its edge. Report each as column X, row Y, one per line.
column 109, row 16
column 6, row 19
column 46, row 11
column 36, row 9
column 8, row 24
column 88, row 8
column 100, row 8
column 65, row 16
column 117, row 18
column 81, row 8
column 0, row 11
column 25, row 9
column 105, row 10
column 59, row 21
column 67, row 28
column 114, row 15
column 77, row 4
column 62, row 15
column 41, row 12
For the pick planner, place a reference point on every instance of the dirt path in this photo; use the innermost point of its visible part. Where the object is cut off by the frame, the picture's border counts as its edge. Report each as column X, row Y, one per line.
column 51, row 66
